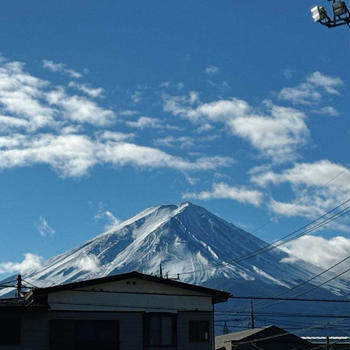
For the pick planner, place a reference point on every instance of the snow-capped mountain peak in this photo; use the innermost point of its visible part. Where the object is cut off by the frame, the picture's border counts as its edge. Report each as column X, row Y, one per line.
column 187, row 240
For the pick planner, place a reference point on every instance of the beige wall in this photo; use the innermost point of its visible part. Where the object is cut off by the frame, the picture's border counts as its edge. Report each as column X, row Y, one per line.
column 130, row 295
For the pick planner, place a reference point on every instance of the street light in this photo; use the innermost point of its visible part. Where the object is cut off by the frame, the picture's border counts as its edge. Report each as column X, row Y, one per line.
column 341, row 14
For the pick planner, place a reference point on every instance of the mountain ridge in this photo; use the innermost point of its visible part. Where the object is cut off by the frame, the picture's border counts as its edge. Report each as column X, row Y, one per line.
column 186, row 239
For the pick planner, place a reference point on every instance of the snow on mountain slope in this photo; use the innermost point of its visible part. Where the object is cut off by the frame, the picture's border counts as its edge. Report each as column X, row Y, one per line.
column 187, row 240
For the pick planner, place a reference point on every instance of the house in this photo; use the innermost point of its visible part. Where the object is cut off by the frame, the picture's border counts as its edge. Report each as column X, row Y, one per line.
column 264, row 338
column 130, row 311
column 331, row 343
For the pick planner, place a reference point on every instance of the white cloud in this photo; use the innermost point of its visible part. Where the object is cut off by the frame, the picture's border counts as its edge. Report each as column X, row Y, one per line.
column 28, row 103
column 277, row 133
column 311, row 174
column 326, row 82
column 10, row 123
column 21, row 97
column 80, row 109
column 319, row 251
column 171, row 141
column 73, row 155
column 302, row 94
column 127, row 112
column 317, row 187
column 145, row 122
column 120, row 154
column 326, row 110
column 211, row 70
column 61, row 68
column 116, row 136
column 108, row 216
column 224, row 191
column 31, row 262
column 137, row 96
column 70, row 155
column 89, row 263
column 87, row 89
column 43, row 227
column 309, row 92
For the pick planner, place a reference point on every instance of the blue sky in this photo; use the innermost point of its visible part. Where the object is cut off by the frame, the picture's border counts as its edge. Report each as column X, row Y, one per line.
column 106, row 109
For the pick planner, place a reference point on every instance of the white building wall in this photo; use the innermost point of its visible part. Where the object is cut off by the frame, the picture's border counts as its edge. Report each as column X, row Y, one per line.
column 130, row 295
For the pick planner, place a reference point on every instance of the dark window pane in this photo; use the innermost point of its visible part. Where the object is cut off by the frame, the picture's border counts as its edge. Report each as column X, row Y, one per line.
column 199, row 331
column 84, row 335
column 160, row 330
column 10, row 330
column 167, row 331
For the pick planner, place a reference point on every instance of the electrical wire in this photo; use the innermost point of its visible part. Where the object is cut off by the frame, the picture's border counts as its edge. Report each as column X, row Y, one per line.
column 313, row 225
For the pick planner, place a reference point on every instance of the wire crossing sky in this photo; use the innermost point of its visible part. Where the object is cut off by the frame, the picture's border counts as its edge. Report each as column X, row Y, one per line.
column 107, row 109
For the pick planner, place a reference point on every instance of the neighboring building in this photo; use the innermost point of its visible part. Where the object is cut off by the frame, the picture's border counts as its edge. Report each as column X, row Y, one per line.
column 333, row 343
column 265, row 338
column 130, row 311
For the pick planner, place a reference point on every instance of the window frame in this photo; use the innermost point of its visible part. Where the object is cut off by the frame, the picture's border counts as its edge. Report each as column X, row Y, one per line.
column 146, row 329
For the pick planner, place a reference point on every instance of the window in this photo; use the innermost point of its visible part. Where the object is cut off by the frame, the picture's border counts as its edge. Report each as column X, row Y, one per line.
column 10, row 330
column 83, row 335
column 199, row 331
column 160, row 330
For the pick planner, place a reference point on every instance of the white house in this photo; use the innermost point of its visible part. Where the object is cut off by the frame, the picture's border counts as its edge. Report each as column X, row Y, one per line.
column 130, row 311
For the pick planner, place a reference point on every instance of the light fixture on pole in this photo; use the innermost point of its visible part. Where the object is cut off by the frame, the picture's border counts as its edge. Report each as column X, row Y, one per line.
column 341, row 14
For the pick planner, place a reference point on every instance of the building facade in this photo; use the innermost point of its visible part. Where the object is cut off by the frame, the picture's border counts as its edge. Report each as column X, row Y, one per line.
column 128, row 311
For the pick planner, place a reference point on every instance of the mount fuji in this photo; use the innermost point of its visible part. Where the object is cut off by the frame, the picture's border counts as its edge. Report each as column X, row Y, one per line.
column 196, row 246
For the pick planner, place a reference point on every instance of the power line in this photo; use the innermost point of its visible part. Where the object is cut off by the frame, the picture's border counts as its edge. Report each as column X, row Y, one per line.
column 294, row 298
column 313, row 225
column 280, row 314
column 273, row 336
column 307, row 281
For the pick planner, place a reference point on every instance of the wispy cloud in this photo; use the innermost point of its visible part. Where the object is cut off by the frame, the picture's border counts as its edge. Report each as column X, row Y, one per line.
column 277, row 132
column 43, row 227
column 175, row 142
column 225, row 191
column 87, row 89
column 74, row 155
column 144, row 123
column 310, row 91
column 31, row 262
column 326, row 82
column 106, row 215
column 137, row 96
column 326, row 110
column 211, row 70
column 61, row 68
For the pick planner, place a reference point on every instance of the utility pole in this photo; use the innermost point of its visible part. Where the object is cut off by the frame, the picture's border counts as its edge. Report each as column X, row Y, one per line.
column 19, row 286
column 252, row 315
column 160, row 271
